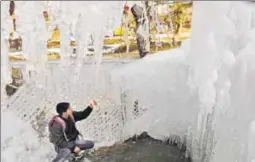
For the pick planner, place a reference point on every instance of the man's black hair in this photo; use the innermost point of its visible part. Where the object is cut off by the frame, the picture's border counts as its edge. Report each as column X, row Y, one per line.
column 62, row 107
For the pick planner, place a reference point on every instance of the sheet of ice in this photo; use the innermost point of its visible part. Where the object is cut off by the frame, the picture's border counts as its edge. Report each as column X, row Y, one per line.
column 5, row 27
column 214, row 114
column 201, row 94
column 32, row 29
column 158, row 83
column 19, row 142
column 222, row 61
column 34, row 102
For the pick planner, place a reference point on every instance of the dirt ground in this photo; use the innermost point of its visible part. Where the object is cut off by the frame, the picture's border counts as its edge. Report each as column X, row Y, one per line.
column 143, row 150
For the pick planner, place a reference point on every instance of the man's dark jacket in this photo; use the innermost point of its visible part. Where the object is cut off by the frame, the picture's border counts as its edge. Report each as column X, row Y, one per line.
column 56, row 130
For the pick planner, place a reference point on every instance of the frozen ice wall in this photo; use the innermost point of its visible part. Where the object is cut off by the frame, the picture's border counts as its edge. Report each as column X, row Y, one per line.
column 32, row 29
column 19, row 142
column 156, row 96
column 18, row 139
column 222, row 60
column 28, row 111
column 201, row 95
column 5, row 29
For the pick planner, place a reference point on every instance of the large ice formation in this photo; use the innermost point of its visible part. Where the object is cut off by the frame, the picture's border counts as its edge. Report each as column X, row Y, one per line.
column 201, row 95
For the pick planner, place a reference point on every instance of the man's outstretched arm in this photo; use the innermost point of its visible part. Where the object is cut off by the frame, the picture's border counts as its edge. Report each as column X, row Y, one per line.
column 80, row 115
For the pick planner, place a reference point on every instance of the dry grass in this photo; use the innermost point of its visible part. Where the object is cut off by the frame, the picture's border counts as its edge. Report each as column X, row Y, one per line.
column 54, row 57
column 112, row 41
column 121, row 52
column 21, row 58
column 16, row 58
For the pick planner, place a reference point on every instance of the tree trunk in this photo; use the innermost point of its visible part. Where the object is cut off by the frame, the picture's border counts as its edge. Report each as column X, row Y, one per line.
column 148, row 40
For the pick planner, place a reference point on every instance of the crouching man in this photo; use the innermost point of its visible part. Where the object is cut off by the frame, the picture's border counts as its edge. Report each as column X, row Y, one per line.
column 64, row 134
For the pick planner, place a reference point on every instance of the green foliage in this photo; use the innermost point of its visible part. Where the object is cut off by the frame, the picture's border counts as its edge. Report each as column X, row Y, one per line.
column 178, row 16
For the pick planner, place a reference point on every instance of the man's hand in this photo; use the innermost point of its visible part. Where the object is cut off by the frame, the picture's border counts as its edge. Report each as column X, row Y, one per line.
column 93, row 104
column 77, row 149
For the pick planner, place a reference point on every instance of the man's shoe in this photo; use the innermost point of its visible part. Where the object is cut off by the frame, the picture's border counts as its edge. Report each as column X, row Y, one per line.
column 79, row 155
column 144, row 54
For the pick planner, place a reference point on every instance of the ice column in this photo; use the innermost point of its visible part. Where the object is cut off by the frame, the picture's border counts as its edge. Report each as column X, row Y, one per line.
column 5, row 32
